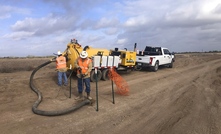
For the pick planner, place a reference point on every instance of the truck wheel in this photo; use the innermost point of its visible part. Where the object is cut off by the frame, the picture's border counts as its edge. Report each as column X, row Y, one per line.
column 171, row 64
column 93, row 75
column 105, row 74
column 156, row 66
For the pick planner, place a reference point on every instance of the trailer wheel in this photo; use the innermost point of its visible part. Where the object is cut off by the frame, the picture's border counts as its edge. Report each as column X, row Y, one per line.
column 156, row 66
column 105, row 75
column 138, row 67
column 93, row 75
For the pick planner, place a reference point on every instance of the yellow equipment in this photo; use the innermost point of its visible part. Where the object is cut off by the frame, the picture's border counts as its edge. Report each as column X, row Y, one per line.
column 126, row 62
column 127, row 58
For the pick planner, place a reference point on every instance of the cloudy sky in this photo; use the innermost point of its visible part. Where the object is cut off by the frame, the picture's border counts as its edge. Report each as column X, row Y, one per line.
column 42, row 27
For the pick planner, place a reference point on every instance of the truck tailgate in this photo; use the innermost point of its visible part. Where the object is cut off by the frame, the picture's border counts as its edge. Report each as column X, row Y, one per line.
column 143, row 59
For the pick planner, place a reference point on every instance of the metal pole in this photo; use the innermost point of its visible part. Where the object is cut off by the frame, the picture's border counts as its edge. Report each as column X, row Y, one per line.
column 112, row 83
column 96, row 89
column 70, row 85
column 70, row 82
column 82, row 82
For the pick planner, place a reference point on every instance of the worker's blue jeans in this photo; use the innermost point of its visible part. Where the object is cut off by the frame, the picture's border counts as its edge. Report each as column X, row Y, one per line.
column 61, row 76
column 86, row 82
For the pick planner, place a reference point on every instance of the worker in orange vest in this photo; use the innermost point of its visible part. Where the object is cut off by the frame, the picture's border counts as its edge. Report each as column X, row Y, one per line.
column 84, row 67
column 62, row 69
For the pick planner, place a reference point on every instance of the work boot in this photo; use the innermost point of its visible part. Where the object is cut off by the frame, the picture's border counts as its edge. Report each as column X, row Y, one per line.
column 65, row 84
column 80, row 97
column 88, row 96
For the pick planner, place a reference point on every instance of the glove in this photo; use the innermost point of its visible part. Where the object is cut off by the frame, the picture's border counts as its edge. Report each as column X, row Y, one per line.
column 83, row 75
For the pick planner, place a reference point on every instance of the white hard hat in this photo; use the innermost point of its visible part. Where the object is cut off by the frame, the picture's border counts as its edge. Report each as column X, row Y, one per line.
column 59, row 53
column 83, row 54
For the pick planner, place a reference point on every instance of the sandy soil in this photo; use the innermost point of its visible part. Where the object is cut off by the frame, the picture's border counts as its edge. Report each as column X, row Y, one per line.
column 183, row 100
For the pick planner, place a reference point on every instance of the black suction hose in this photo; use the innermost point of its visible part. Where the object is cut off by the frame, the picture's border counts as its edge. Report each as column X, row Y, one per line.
column 50, row 113
column 85, row 48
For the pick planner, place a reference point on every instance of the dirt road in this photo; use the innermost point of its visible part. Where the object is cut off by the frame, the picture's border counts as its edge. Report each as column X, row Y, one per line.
column 183, row 100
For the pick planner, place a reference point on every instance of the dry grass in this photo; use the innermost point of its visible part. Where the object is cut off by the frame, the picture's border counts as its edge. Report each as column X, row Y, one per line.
column 27, row 64
column 11, row 65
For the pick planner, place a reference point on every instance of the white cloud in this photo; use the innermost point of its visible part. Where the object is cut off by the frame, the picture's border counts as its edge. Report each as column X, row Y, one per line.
column 94, row 38
column 208, row 6
column 5, row 16
column 19, row 35
column 106, row 22
column 121, row 41
column 210, row 10
column 136, row 21
column 8, row 11
column 111, row 31
column 5, row 11
column 218, row 9
column 44, row 26
column 181, row 13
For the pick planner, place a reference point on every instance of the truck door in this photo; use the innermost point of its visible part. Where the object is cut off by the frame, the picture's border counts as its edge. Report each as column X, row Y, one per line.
column 159, row 55
column 167, row 58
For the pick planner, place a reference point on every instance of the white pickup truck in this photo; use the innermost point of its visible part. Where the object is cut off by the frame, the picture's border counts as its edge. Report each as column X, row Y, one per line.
column 154, row 57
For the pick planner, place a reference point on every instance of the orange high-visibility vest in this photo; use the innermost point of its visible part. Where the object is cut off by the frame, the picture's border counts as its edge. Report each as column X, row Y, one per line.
column 61, row 62
column 83, row 65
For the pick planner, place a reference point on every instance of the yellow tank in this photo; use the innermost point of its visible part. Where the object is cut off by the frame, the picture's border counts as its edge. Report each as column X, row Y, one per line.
column 74, row 49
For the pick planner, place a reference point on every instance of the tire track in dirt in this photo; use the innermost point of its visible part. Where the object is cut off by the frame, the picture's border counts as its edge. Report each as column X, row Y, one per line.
column 146, row 117
column 206, row 84
column 186, row 98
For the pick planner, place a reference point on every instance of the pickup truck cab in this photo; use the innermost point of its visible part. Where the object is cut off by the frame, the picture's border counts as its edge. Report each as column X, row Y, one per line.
column 154, row 57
